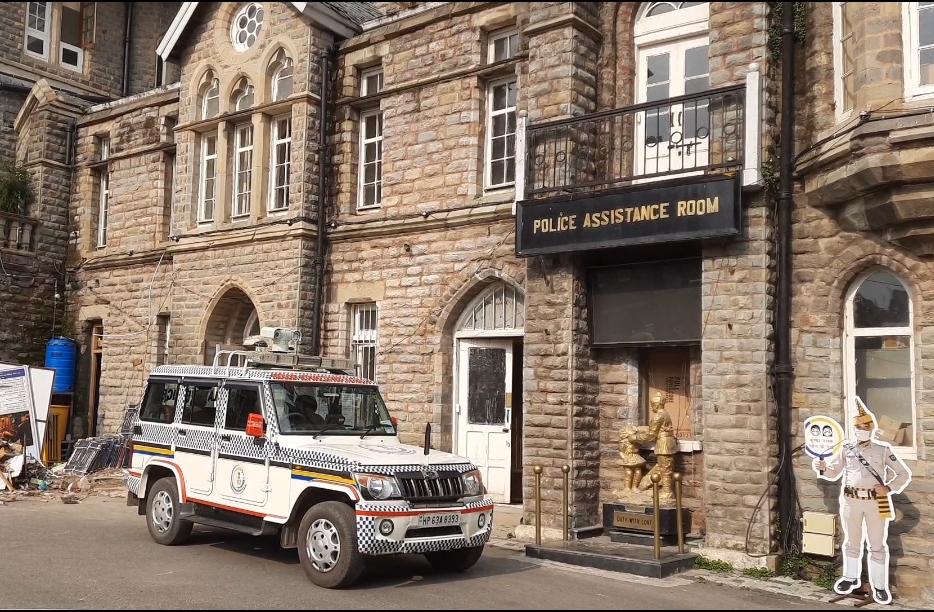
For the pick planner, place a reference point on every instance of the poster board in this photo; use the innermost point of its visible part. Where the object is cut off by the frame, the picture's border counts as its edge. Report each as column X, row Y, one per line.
column 25, row 394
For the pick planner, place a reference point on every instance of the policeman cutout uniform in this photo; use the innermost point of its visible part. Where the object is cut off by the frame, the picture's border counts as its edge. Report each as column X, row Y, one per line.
column 870, row 472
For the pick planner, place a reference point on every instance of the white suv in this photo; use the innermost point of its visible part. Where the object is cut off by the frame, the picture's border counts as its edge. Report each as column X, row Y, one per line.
column 297, row 446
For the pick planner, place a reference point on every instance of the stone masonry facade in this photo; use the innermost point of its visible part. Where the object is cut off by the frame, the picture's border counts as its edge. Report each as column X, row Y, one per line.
column 169, row 286
column 40, row 101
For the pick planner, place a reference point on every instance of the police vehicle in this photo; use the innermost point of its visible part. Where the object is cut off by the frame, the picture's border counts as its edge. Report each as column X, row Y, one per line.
column 271, row 441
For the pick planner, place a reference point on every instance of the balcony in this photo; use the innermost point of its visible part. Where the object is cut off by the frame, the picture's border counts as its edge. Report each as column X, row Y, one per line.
column 683, row 136
column 665, row 170
column 18, row 233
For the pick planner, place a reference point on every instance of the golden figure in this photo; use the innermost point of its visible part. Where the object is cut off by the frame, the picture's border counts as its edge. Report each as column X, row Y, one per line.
column 662, row 431
column 631, row 459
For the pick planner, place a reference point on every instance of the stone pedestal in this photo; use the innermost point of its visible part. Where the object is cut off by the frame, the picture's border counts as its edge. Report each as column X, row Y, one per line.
column 634, row 524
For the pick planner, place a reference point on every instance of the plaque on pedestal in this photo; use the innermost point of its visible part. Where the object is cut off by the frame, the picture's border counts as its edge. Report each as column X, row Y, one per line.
column 640, row 519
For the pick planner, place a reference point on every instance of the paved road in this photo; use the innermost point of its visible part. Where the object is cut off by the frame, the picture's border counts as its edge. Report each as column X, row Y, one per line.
column 98, row 554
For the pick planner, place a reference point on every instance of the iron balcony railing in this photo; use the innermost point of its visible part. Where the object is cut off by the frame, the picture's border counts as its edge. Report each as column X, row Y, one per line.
column 692, row 134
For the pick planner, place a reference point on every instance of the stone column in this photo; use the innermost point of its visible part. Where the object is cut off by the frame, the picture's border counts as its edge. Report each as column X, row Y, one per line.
column 561, row 424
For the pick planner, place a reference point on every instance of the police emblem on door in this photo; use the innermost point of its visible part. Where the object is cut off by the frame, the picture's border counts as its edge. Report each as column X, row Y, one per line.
column 238, row 479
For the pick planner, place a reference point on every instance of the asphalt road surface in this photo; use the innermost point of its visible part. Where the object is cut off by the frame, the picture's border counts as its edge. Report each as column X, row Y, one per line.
column 98, row 554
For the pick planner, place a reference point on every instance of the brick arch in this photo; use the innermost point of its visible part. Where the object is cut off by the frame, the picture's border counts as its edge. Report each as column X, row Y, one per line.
column 226, row 317
column 457, row 300
column 228, row 89
column 264, row 93
column 195, row 83
column 853, row 261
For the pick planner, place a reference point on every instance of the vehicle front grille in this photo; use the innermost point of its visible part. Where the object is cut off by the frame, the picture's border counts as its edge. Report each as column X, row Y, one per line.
column 419, row 487
column 433, row 532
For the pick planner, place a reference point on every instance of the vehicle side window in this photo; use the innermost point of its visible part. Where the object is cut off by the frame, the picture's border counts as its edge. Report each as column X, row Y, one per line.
column 241, row 402
column 199, row 405
column 159, row 404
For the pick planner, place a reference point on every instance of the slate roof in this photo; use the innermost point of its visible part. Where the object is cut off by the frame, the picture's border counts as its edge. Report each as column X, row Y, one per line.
column 358, row 12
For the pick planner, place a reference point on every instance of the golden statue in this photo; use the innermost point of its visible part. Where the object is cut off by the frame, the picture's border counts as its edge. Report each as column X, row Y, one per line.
column 631, row 459
column 662, row 431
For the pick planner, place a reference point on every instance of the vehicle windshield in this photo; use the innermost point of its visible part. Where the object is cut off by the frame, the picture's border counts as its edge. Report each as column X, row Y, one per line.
column 312, row 408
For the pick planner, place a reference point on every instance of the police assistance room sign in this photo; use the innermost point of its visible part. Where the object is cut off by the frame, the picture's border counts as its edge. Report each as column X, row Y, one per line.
column 691, row 208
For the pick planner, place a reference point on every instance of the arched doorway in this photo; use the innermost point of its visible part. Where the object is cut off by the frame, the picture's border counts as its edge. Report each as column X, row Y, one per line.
column 233, row 319
column 488, row 388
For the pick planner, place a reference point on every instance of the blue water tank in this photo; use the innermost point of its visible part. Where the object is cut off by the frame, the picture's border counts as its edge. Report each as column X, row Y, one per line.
column 61, row 355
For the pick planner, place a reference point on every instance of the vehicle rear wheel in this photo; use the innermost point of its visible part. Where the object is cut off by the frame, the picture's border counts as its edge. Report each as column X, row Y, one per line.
column 162, row 518
column 457, row 560
column 327, row 545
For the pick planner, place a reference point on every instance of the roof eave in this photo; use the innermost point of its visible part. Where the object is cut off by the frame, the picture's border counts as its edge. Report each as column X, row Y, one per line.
column 176, row 28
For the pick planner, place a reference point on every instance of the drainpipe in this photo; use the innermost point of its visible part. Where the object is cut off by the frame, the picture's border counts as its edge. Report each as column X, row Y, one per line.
column 784, row 203
column 126, row 49
column 318, row 260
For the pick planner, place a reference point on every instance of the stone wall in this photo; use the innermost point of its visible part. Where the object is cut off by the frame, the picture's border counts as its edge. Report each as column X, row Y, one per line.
column 103, row 59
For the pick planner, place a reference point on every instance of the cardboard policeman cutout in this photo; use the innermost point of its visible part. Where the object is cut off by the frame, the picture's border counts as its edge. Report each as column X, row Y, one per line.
column 870, row 473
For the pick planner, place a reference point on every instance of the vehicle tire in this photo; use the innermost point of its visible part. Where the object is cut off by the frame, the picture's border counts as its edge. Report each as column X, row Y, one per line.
column 327, row 545
column 162, row 509
column 457, row 560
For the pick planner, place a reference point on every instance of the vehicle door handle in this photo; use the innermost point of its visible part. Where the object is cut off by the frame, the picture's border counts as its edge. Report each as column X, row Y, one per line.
column 225, row 437
column 505, row 430
column 183, row 432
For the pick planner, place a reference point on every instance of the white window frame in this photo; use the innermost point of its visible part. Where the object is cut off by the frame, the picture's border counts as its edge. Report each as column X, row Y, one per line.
column 838, row 93
column 202, row 187
column 63, row 46
column 103, row 205
column 493, row 37
column 906, row 452
column 488, row 165
column 277, row 78
column 686, row 22
column 43, row 35
column 213, row 85
column 236, row 210
column 361, row 339
column 275, row 139
column 912, row 61
column 364, row 78
column 361, row 182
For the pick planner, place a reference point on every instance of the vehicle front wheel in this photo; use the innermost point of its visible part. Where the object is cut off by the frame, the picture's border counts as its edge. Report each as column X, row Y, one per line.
column 457, row 560
column 327, row 545
column 162, row 507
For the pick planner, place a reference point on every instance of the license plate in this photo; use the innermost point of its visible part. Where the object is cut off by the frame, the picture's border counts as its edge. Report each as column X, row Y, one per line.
column 439, row 520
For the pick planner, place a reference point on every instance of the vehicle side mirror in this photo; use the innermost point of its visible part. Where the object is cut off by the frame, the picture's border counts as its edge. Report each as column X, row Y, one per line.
column 395, row 422
column 255, row 426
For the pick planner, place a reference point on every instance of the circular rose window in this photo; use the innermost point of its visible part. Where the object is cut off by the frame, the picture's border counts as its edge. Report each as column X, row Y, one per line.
column 246, row 26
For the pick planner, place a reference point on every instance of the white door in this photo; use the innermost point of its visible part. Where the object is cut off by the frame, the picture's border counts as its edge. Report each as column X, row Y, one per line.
column 677, row 136
column 484, row 410
column 196, row 437
column 243, row 466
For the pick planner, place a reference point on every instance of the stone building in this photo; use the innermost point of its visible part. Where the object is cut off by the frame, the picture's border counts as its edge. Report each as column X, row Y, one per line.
column 56, row 59
column 537, row 215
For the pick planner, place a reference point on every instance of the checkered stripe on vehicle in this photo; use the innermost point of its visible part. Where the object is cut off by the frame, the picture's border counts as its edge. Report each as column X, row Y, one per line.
column 370, row 544
column 242, row 445
column 156, row 433
column 196, row 437
column 132, row 483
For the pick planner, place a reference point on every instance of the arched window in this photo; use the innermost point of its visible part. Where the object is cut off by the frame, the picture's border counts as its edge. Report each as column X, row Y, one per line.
column 500, row 308
column 672, row 59
column 210, row 95
column 879, row 362
column 242, row 97
column 280, row 79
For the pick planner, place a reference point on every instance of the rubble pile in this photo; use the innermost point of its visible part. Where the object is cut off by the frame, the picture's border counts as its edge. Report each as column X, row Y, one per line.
column 22, row 473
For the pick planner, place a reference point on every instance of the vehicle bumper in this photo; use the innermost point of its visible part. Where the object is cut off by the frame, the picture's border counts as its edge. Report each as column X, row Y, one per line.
column 474, row 526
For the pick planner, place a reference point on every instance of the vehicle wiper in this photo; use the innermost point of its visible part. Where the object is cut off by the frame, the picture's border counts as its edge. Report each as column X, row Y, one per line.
column 369, row 429
column 323, row 431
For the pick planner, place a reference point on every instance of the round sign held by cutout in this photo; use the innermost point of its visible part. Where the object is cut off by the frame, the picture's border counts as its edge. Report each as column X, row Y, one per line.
column 823, row 436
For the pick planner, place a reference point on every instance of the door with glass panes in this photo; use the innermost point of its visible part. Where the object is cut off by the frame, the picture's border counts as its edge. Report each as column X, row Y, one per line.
column 673, row 137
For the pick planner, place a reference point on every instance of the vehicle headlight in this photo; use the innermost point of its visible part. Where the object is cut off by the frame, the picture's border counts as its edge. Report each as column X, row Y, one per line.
column 378, row 486
column 473, row 483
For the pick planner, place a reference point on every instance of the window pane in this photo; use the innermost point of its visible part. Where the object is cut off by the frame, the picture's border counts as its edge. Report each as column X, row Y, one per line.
column 159, row 405
column 35, row 45
column 499, row 125
column 696, row 62
column 926, row 27
column 499, row 148
column 658, row 69
column 486, row 386
column 883, row 378
column 199, row 405
column 211, row 104
column 369, row 154
column 499, row 97
column 369, row 173
column 927, row 66
column 241, row 403
column 69, row 57
column 209, row 169
column 497, row 173
column 660, row 9
column 369, row 195
column 882, row 301
column 71, row 23
column 211, row 145
column 369, row 127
